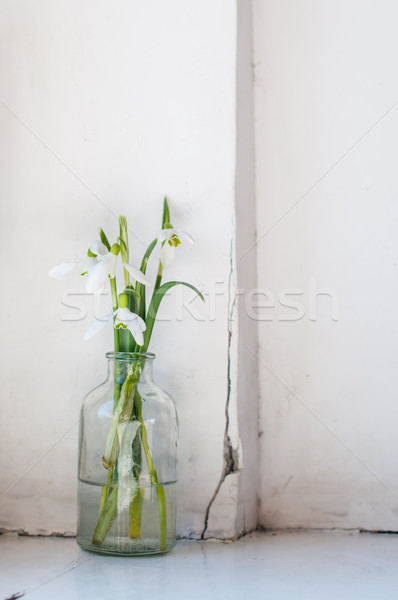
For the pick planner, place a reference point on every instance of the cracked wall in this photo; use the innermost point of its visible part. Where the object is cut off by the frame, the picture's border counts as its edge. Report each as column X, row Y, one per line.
column 233, row 507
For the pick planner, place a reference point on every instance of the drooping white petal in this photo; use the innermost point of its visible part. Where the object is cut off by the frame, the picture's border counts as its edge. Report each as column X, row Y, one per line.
column 136, row 331
column 111, row 260
column 122, row 315
column 97, row 277
column 141, row 323
column 96, row 327
column 59, row 271
column 166, row 234
column 167, row 255
column 98, row 248
column 100, row 273
column 134, row 323
column 136, row 274
column 89, row 263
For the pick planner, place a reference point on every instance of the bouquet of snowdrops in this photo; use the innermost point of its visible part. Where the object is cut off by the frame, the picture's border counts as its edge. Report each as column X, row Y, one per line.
column 133, row 317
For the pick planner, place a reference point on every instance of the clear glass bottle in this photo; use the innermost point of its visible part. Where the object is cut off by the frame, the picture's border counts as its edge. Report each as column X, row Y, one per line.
column 127, row 462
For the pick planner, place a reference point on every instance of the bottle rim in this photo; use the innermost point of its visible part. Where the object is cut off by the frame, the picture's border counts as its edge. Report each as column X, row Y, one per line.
column 130, row 356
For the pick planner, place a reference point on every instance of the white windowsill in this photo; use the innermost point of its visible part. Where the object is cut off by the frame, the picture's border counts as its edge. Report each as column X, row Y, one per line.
column 294, row 565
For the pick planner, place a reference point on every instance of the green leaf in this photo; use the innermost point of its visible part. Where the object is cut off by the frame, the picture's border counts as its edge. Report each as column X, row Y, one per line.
column 124, row 250
column 132, row 298
column 104, row 239
column 157, row 297
column 142, row 293
column 166, row 213
column 140, row 288
column 124, row 238
column 147, row 255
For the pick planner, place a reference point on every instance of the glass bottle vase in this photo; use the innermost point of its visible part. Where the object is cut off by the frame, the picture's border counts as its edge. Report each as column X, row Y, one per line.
column 127, row 462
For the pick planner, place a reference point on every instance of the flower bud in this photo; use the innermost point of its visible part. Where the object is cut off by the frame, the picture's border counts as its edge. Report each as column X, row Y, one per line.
column 123, row 301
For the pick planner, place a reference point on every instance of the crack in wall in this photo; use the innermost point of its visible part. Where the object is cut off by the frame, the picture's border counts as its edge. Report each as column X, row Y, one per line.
column 24, row 533
column 230, row 454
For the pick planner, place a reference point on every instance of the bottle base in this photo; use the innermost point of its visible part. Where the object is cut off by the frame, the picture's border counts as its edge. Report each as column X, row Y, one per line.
column 118, row 547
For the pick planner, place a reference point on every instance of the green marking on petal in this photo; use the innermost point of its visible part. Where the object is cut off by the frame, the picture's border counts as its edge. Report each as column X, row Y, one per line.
column 174, row 241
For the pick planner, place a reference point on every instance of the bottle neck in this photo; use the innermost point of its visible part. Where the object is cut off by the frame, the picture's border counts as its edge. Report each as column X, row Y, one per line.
column 120, row 365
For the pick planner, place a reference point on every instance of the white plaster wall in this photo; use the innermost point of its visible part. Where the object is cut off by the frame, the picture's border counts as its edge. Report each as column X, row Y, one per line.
column 104, row 108
column 326, row 92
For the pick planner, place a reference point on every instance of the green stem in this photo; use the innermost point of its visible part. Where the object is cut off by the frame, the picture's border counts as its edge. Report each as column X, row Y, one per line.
column 114, row 308
column 124, row 246
column 108, row 515
column 121, row 413
column 140, row 288
column 105, row 489
column 126, row 277
column 162, row 516
column 159, row 488
column 154, row 480
column 116, row 388
column 135, row 513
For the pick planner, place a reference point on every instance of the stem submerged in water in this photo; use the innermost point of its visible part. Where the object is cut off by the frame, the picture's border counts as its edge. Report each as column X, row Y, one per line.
column 129, row 407
column 107, row 516
column 135, row 513
column 121, row 413
column 154, row 478
column 105, row 489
